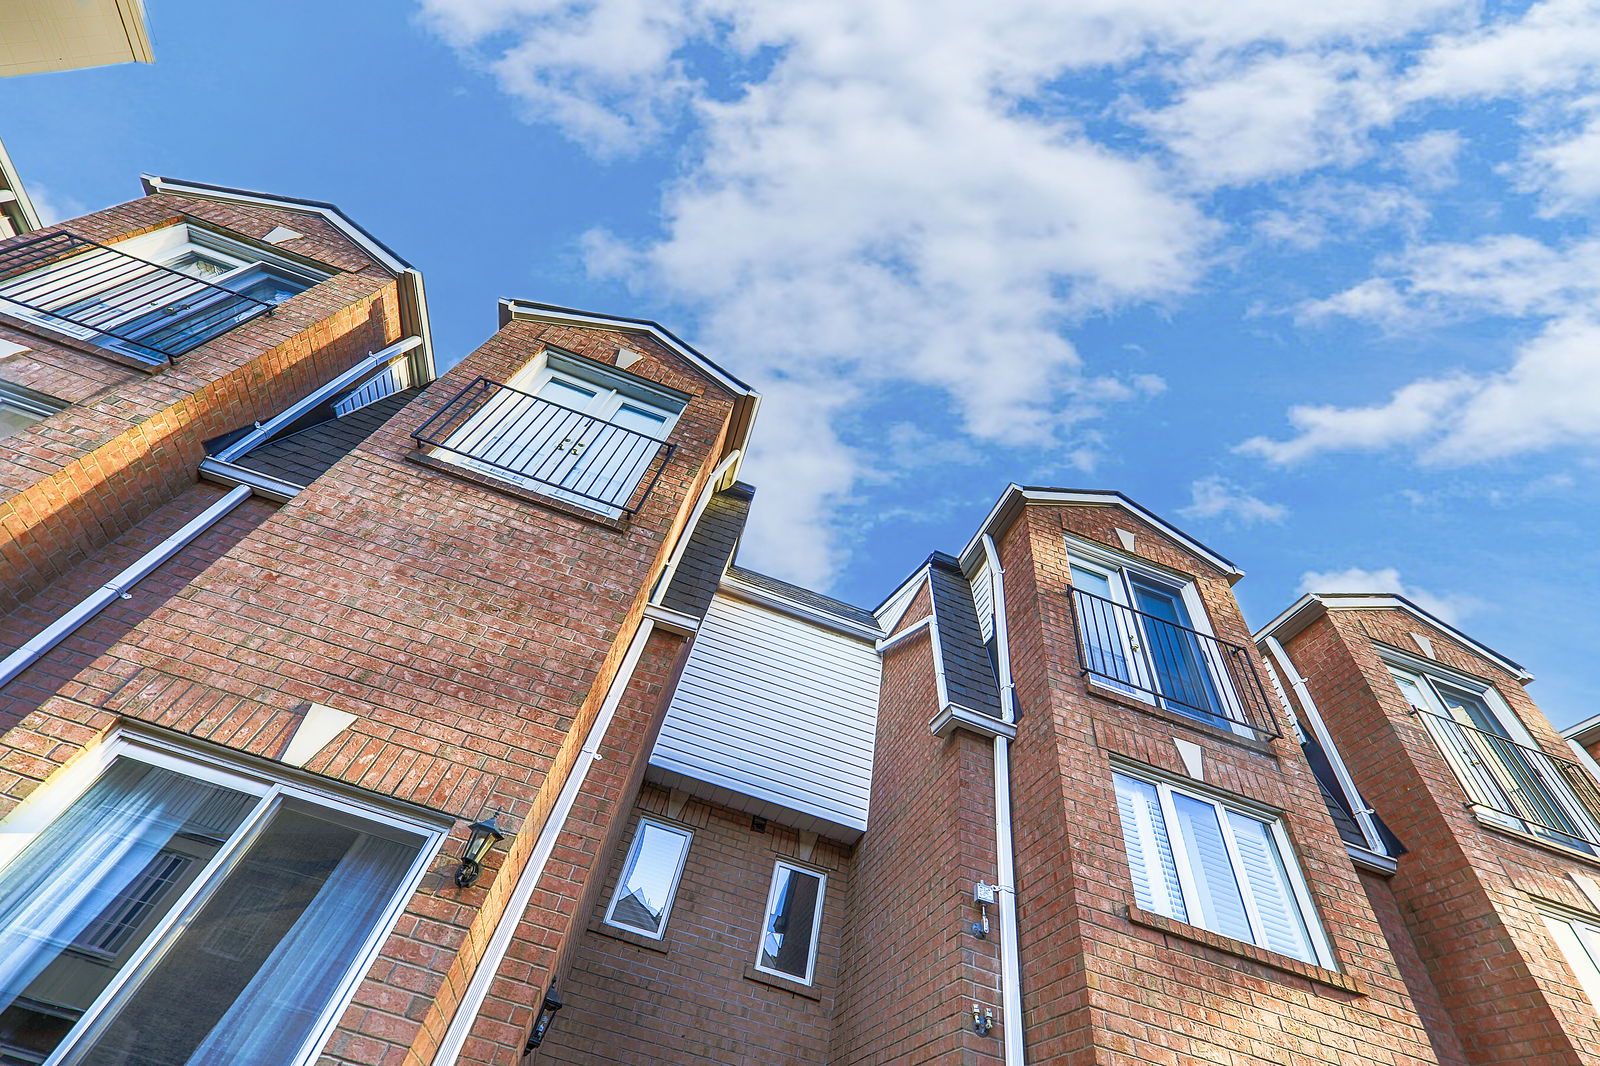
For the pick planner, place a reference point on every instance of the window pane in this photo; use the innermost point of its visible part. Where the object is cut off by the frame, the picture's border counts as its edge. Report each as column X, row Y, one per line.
column 791, row 923
column 78, row 899
column 1103, row 639
column 1281, row 922
column 649, row 878
column 1220, row 907
column 1155, row 874
column 1175, row 655
column 256, row 965
column 1580, row 943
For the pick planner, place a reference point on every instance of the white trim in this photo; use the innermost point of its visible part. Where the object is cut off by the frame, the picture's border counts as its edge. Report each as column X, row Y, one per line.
column 816, row 920
column 687, row 533
column 494, row 954
column 1016, row 495
column 1166, row 787
column 953, row 716
column 10, row 178
column 687, row 836
column 264, row 485
column 76, row 616
column 263, row 431
column 898, row 602
column 782, row 604
column 271, row 791
column 1304, row 611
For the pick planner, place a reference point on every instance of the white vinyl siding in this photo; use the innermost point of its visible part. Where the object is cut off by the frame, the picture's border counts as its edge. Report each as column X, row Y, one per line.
column 983, row 600
column 777, row 709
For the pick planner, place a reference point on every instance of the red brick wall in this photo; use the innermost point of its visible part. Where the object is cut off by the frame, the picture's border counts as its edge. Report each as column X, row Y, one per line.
column 693, row 997
column 472, row 632
column 1101, row 988
column 41, row 680
column 1466, row 891
column 132, row 438
column 912, row 968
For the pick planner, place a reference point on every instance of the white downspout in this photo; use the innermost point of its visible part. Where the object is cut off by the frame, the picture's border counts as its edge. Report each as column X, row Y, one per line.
column 101, row 598
column 1011, row 1039
column 1363, row 813
column 522, row 892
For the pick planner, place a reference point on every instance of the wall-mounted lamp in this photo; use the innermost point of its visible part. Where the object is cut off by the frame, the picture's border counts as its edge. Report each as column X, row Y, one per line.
column 547, row 1014
column 481, row 837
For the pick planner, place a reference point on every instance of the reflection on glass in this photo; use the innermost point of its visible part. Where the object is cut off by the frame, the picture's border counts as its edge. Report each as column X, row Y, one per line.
column 649, row 878
column 791, row 924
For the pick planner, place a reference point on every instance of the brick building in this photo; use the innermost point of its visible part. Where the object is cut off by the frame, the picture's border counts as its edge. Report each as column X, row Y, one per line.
column 358, row 713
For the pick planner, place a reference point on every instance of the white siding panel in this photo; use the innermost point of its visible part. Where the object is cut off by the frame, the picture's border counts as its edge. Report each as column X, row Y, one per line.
column 777, row 709
column 983, row 600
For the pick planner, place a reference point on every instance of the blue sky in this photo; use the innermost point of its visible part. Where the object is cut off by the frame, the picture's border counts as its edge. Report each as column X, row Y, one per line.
column 1317, row 282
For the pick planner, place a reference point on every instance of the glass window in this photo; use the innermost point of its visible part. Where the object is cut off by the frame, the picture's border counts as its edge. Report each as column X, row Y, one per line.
column 793, row 918
column 163, row 886
column 643, row 896
column 1200, row 860
column 1579, row 941
column 21, row 408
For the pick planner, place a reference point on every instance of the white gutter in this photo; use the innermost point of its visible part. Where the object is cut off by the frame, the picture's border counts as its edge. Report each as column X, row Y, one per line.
column 117, row 588
column 1011, row 1037
column 483, row 976
column 700, row 506
column 264, row 430
column 1279, row 658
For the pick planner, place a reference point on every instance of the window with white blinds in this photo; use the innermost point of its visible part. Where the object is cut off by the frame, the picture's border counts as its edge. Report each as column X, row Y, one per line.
column 1199, row 860
column 1579, row 941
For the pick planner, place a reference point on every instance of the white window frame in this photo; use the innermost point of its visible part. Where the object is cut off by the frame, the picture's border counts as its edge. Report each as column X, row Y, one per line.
column 1430, row 673
column 35, row 405
column 1299, row 890
column 672, row 888
column 612, row 389
column 1118, row 570
column 816, row 919
column 164, row 247
column 1577, row 936
column 45, row 804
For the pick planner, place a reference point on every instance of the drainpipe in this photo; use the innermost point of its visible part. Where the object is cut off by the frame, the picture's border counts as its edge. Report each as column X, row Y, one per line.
column 1277, row 655
column 117, row 588
column 1005, row 858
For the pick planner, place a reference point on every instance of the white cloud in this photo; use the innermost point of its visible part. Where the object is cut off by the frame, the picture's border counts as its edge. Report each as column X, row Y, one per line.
column 903, row 192
column 53, row 207
column 1565, row 168
column 1217, row 497
column 1451, row 608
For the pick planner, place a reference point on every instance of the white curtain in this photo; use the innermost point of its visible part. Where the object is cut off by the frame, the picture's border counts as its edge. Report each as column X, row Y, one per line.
column 83, row 861
column 275, row 1012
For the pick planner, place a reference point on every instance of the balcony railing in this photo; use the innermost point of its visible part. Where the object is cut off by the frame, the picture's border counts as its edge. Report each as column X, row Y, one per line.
column 1546, row 795
column 1171, row 666
column 528, row 440
column 96, row 292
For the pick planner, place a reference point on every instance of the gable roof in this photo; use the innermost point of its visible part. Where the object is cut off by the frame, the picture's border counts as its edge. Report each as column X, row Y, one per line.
column 1312, row 605
column 1015, row 497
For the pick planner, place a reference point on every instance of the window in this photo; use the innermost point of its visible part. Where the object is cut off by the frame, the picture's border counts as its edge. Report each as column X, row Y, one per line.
column 179, row 911
column 643, row 896
column 21, row 408
column 566, row 427
column 1509, row 777
column 793, row 919
column 1578, row 937
column 1209, row 863
column 154, row 296
column 1144, row 633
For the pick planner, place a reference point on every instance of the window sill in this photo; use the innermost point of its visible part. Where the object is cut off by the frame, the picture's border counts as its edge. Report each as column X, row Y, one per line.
column 628, row 936
column 1498, row 823
column 1105, row 692
column 516, row 492
column 59, row 339
column 788, row 984
column 1288, row 964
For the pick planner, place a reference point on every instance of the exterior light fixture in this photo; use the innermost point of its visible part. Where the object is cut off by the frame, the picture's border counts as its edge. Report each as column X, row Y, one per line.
column 547, row 1014
column 482, row 837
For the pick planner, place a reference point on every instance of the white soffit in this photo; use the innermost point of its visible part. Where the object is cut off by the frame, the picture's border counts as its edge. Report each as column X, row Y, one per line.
column 43, row 35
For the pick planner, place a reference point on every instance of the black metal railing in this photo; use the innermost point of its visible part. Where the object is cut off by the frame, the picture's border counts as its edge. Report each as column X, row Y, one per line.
column 1172, row 666
column 1550, row 796
column 97, row 292
column 513, row 434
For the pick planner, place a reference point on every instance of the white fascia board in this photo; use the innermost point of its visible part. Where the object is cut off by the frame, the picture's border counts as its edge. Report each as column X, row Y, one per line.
column 411, row 278
column 538, row 312
column 897, row 603
column 9, row 179
column 1583, row 730
column 805, row 612
column 1015, row 496
column 1304, row 611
